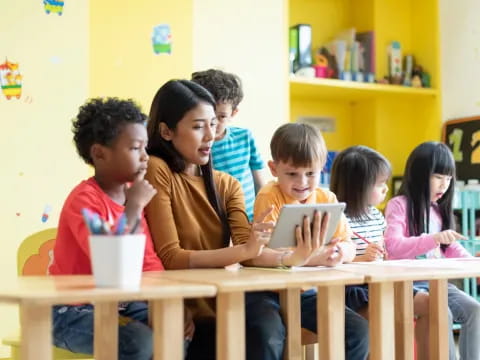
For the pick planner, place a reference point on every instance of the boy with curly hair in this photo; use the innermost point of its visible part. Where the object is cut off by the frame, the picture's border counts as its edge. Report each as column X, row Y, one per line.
column 110, row 135
column 234, row 150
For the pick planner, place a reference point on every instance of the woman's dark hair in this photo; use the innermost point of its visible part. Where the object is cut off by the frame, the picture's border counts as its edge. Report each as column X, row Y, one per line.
column 170, row 104
column 355, row 171
column 100, row 121
column 426, row 159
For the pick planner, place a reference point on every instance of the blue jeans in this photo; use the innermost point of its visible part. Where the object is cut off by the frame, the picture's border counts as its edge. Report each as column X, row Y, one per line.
column 465, row 310
column 73, row 330
column 266, row 331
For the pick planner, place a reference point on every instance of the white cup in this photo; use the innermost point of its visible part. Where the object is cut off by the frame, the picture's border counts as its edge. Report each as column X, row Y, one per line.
column 117, row 260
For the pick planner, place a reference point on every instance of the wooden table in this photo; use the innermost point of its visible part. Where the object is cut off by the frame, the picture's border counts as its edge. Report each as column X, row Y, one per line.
column 390, row 292
column 35, row 295
column 232, row 285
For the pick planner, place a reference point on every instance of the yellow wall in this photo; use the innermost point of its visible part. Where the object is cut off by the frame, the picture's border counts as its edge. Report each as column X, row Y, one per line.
column 122, row 61
column 39, row 163
column 94, row 48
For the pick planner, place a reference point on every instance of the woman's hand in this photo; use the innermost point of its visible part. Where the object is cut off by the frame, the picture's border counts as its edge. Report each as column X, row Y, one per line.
column 446, row 237
column 310, row 240
column 259, row 234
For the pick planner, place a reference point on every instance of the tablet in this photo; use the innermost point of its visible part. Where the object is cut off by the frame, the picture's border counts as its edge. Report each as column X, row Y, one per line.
column 291, row 215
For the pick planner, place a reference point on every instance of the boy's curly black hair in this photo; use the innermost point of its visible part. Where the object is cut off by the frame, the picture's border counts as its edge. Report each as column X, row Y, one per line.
column 100, row 120
column 225, row 87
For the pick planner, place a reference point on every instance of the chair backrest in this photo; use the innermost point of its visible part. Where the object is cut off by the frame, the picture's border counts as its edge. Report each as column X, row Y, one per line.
column 35, row 252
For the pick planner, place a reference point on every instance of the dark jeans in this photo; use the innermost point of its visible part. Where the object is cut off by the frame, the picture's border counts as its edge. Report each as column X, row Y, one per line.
column 73, row 330
column 265, row 331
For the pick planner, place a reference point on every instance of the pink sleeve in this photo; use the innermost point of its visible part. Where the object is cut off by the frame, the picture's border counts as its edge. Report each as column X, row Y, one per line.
column 456, row 250
column 399, row 245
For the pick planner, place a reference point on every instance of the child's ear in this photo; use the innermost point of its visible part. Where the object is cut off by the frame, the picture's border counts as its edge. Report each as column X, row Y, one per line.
column 97, row 152
column 273, row 168
column 165, row 131
column 234, row 112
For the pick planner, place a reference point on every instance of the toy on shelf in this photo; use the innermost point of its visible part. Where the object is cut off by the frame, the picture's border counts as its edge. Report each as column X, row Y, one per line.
column 325, row 64
column 395, row 63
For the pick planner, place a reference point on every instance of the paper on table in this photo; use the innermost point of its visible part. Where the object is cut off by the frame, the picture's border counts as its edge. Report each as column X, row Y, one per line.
column 291, row 269
column 426, row 263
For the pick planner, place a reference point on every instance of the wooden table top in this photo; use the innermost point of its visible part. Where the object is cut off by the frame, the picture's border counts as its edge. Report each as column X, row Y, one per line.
column 403, row 270
column 251, row 279
column 51, row 290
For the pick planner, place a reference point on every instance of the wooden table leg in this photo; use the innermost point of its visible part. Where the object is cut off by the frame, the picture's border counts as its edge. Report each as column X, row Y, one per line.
column 381, row 321
column 167, row 323
column 36, row 332
column 438, row 319
column 404, row 328
column 290, row 307
column 331, row 321
column 231, row 325
column 106, row 324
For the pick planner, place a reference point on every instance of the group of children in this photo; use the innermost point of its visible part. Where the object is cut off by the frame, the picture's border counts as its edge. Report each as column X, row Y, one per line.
column 198, row 217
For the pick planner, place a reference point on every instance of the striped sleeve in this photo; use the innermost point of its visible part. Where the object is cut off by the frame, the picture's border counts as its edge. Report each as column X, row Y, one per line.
column 256, row 162
column 371, row 228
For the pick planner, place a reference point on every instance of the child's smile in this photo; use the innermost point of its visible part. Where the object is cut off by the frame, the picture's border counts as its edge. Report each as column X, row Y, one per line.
column 296, row 182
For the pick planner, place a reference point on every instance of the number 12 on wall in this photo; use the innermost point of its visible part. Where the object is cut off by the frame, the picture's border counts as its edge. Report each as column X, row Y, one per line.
column 455, row 141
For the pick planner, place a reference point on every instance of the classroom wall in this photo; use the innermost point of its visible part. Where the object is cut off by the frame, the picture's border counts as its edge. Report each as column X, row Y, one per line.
column 39, row 164
column 122, row 60
column 243, row 38
column 460, row 38
column 95, row 48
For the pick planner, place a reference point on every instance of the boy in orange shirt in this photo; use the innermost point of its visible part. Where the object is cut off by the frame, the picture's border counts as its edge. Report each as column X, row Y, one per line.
column 299, row 154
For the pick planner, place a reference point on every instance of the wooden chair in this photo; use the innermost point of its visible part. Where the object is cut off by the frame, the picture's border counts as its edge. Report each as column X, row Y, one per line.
column 309, row 339
column 33, row 257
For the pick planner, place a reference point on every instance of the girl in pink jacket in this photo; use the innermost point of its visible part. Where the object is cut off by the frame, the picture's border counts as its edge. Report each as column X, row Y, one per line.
column 420, row 224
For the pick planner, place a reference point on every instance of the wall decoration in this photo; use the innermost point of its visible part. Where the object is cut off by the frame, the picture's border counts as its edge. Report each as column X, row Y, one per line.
column 53, row 6
column 10, row 80
column 463, row 137
column 46, row 213
column 162, row 39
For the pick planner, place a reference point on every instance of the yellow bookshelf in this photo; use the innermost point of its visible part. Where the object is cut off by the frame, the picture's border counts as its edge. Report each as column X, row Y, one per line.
column 390, row 118
column 301, row 87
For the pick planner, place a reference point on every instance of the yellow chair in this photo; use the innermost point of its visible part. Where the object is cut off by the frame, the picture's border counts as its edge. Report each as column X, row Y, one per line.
column 33, row 257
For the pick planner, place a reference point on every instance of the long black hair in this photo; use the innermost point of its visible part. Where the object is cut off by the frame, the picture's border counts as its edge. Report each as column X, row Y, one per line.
column 426, row 159
column 170, row 104
column 355, row 172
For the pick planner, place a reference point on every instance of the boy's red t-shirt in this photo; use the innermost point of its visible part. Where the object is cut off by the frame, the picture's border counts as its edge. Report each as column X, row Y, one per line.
column 71, row 254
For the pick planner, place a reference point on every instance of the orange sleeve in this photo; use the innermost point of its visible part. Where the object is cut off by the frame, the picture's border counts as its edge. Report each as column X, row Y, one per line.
column 266, row 198
column 161, row 220
column 235, row 208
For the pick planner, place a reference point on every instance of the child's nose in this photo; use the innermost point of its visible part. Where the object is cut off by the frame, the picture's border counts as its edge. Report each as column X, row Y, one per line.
column 144, row 156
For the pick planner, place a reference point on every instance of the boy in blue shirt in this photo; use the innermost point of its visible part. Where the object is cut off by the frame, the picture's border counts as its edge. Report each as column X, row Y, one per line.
column 234, row 150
